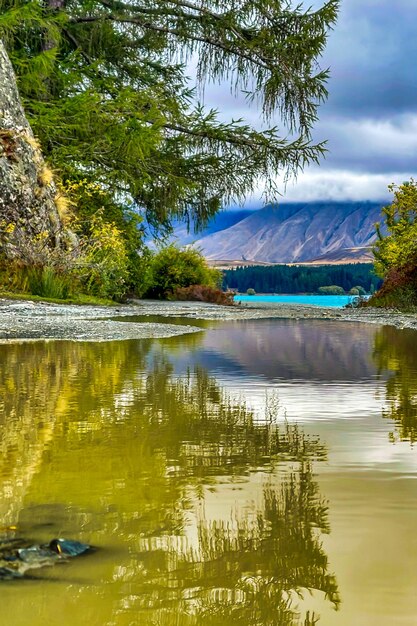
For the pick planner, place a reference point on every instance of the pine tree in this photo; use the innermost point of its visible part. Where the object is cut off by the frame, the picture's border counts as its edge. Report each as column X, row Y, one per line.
column 104, row 84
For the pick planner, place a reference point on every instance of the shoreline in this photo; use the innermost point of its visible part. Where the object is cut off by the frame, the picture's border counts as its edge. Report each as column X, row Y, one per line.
column 25, row 320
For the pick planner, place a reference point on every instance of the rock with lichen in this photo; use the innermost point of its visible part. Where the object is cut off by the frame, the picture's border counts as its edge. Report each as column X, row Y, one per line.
column 30, row 223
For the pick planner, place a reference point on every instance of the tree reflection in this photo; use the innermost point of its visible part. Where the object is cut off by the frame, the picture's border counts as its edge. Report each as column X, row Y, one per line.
column 255, row 566
column 245, row 570
column 396, row 352
column 151, row 460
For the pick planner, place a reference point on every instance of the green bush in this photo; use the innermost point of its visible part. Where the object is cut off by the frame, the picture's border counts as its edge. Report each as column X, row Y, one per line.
column 251, row 292
column 12, row 277
column 172, row 268
column 103, row 267
column 331, row 290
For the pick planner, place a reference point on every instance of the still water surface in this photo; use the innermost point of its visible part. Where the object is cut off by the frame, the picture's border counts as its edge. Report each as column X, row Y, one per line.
column 255, row 473
column 313, row 300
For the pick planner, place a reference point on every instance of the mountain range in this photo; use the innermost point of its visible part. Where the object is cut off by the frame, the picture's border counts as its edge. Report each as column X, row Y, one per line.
column 222, row 221
column 321, row 232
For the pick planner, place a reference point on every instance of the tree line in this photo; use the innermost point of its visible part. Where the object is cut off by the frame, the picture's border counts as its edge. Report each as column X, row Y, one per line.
column 301, row 278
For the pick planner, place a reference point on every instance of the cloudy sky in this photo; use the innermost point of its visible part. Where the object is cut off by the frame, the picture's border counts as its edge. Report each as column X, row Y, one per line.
column 370, row 118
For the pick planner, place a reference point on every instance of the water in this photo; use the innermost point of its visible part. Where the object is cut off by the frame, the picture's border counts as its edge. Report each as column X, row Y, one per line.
column 258, row 472
column 336, row 301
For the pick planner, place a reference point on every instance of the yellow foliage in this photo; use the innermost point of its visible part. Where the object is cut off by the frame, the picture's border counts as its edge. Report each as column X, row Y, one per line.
column 45, row 176
column 63, row 205
column 41, row 236
column 83, row 187
column 7, row 227
column 398, row 249
column 32, row 141
column 107, row 259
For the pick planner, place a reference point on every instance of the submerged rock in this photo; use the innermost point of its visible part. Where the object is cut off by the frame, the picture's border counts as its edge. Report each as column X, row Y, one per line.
column 16, row 558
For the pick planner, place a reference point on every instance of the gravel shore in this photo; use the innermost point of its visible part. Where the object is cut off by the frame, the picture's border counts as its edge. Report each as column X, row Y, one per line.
column 29, row 320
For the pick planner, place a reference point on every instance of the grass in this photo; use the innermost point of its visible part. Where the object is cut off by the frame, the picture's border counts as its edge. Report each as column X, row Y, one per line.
column 80, row 299
column 47, row 283
column 37, row 284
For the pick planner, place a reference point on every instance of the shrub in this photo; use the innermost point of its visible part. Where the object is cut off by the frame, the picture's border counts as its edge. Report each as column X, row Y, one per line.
column 103, row 265
column 331, row 290
column 94, row 204
column 12, row 276
column 172, row 268
column 399, row 289
column 251, row 292
column 203, row 293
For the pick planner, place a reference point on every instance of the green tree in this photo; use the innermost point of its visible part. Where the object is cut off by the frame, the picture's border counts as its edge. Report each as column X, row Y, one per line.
column 105, row 88
column 398, row 248
column 396, row 253
column 172, row 268
column 293, row 279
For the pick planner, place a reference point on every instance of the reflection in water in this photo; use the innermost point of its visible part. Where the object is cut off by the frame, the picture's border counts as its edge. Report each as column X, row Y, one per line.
column 397, row 353
column 245, row 570
column 307, row 350
column 213, row 517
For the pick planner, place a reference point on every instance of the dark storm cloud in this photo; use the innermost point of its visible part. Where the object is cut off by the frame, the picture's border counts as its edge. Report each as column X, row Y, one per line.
column 372, row 55
column 370, row 118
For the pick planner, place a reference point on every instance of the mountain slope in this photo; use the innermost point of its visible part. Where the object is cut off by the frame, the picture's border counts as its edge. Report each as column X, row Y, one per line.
column 297, row 232
column 221, row 221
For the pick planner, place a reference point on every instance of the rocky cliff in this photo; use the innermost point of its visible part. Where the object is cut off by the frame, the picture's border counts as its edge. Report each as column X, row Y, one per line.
column 28, row 211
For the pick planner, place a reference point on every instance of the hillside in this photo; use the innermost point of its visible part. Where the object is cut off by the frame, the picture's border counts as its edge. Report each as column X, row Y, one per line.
column 184, row 235
column 298, row 232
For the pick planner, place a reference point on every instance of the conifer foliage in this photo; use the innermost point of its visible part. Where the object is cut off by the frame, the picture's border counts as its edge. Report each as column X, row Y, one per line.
column 104, row 83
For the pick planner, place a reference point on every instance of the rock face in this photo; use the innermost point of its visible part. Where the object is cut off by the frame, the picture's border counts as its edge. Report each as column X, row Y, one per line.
column 28, row 212
column 294, row 233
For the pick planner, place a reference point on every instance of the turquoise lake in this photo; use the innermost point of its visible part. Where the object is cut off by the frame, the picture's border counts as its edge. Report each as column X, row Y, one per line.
column 336, row 301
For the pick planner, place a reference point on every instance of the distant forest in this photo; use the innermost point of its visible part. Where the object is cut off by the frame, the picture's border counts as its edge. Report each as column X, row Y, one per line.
column 301, row 278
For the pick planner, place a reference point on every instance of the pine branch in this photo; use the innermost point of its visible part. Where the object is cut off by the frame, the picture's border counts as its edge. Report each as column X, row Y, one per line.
column 261, row 62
